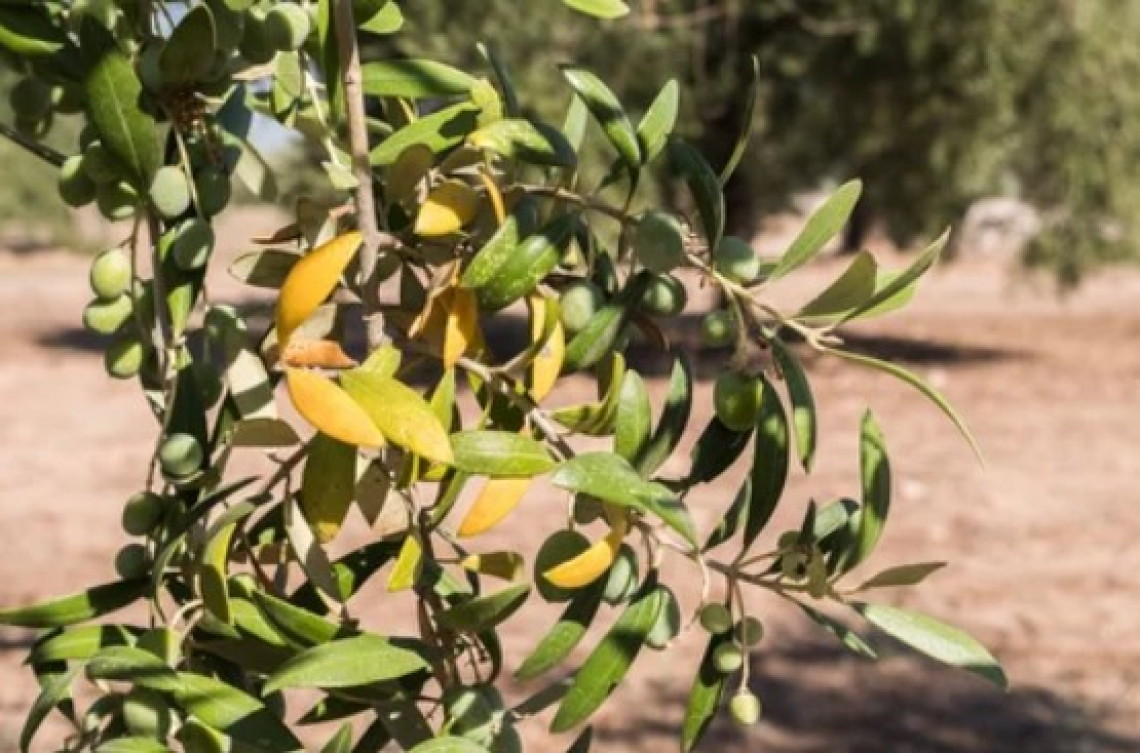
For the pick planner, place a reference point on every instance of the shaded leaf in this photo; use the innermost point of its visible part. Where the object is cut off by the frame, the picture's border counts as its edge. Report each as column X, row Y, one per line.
column 484, row 612
column 804, row 419
column 704, row 696
column 604, row 105
column 439, row 132
column 129, row 134
column 657, row 124
column 704, row 184
column 769, row 463
column 558, row 642
column 747, row 124
column 903, row 575
column 328, row 485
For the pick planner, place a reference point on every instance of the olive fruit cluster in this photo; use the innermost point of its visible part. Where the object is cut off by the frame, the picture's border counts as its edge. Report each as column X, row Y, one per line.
column 111, row 310
column 729, row 655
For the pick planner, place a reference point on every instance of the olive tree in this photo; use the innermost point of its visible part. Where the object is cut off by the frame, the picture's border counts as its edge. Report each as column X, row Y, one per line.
column 378, row 387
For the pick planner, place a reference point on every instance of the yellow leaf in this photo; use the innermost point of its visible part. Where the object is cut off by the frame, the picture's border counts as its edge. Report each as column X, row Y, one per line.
column 461, row 323
column 325, row 354
column 496, row 500
column 407, row 565
column 547, row 365
column 408, row 172
column 310, row 282
column 505, row 565
column 330, row 409
column 400, row 413
column 588, row 566
column 496, row 197
column 447, row 209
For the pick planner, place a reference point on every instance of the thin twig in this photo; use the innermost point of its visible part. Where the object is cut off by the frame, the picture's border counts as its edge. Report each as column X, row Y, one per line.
column 44, row 152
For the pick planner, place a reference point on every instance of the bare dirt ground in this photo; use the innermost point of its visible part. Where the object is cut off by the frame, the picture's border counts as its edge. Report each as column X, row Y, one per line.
column 1041, row 541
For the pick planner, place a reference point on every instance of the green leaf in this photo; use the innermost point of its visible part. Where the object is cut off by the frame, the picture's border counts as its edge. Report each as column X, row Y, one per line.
column 845, row 635
column 735, row 518
column 299, row 626
column 328, row 485
column 56, row 690
column 528, row 265
column 597, row 338
column 341, row 742
column 577, row 118
column 448, row 745
column 769, row 463
column 503, row 77
column 495, row 252
column 634, row 417
column 612, row 479
column 609, row 662
column 133, row 665
column 919, row 384
column 875, row 473
column 401, row 414
column 439, row 132
column 28, row 31
column 607, row 9
column 79, row 643
column 704, row 185
column 233, row 713
column 716, row 450
column 804, row 419
column 213, row 568
column 824, row 224
column 657, row 124
column 500, row 454
column 80, row 607
column 346, row 663
column 113, row 92
column 937, row 640
column 704, row 696
column 903, row 575
column 849, row 291
column 747, row 124
column 387, row 19
column 604, row 105
column 899, row 286
column 132, row 745
column 414, row 79
column 484, row 612
column 674, row 418
column 532, row 142
column 558, row 643
column 189, row 53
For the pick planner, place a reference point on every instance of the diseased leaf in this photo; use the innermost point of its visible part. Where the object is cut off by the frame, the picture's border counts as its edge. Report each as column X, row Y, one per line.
column 80, row 607
column 484, row 612
column 500, row 454
column 345, row 663
column 824, row 224
column 609, row 662
column 414, row 79
column 604, row 105
column 937, row 640
column 400, row 413
column 447, row 208
column 588, row 566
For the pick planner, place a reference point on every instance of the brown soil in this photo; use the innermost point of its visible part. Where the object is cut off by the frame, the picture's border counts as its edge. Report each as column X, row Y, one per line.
column 1041, row 541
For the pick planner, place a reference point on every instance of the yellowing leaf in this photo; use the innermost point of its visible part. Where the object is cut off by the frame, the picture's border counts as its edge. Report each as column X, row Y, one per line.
column 588, row 566
column 310, row 282
column 407, row 565
column 400, row 413
column 448, row 207
column 452, row 324
column 505, row 565
column 547, row 364
column 330, row 409
column 496, row 500
column 496, row 197
column 325, row 354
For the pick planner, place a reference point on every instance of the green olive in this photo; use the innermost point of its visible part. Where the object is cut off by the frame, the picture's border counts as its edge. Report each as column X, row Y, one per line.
column 142, row 513
column 719, row 329
column 744, row 708
column 287, row 26
column 579, row 302
column 107, row 317
column 110, row 275
column 660, row 242
column 749, row 631
column 116, row 201
column 180, row 456
column 30, row 99
column 728, row 658
column 75, row 187
column 99, row 165
column 736, row 399
column 193, row 244
column 735, row 259
column 132, row 561
column 124, row 358
column 665, row 296
column 170, row 192
column 715, row 618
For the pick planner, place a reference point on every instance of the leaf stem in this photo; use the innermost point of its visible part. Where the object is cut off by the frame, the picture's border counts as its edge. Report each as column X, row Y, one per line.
column 44, row 152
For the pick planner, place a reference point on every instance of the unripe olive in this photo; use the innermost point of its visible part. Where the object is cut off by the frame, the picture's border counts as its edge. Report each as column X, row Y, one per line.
column 579, row 302
column 749, row 631
column 170, row 192
column 180, row 456
column 30, row 99
column 255, row 45
column 560, row 547
column 147, row 714
column 665, row 296
column 116, row 201
column 98, row 163
column 75, row 187
column 193, row 244
column 736, row 399
column 287, row 27
column 744, row 708
column 110, row 274
column 660, row 242
column 728, row 658
column 213, row 189
column 132, row 561
column 716, row 618
column 107, row 317
column 124, row 358
column 735, row 259
column 142, row 513
column 668, row 625
column 621, row 581
column 719, row 329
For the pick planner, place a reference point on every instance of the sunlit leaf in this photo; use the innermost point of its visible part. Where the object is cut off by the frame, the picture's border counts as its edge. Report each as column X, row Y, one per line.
column 903, row 575
column 824, row 224
column 80, row 607
column 804, row 420
column 500, row 454
column 447, row 208
column 591, row 564
column 400, row 413
column 411, row 78
column 496, row 500
column 310, row 282
column 345, row 663
column 331, row 410
column 599, row 8
column 606, row 108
